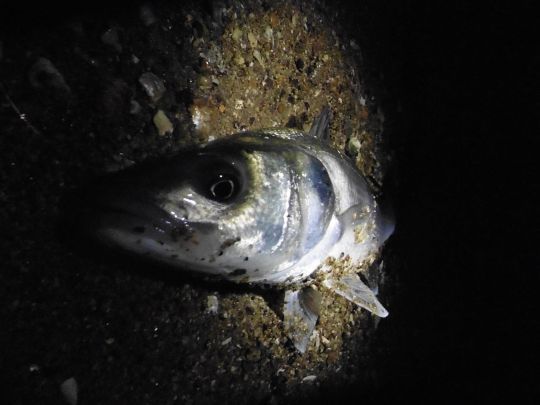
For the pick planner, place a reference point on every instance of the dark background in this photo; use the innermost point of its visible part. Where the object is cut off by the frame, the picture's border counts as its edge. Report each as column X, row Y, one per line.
column 465, row 77
column 457, row 86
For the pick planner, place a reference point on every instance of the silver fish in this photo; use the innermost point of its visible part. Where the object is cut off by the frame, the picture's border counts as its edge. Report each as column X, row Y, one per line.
column 266, row 207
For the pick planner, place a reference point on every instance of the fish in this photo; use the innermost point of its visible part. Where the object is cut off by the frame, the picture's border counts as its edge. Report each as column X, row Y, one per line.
column 272, row 207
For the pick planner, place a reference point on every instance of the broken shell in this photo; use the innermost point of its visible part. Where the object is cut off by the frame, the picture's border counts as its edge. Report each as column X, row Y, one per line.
column 152, row 85
column 309, row 378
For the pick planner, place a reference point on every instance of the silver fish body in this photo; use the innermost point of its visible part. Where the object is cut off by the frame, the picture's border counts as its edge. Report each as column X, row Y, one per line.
column 257, row 207
column 264, row 207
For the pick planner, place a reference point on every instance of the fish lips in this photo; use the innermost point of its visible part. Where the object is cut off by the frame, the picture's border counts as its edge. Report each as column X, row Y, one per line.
column 141, row 216
column 145, row 216
column 114, row 206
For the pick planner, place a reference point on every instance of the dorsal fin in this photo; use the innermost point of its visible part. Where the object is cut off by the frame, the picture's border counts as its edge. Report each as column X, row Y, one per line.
column 321, row 124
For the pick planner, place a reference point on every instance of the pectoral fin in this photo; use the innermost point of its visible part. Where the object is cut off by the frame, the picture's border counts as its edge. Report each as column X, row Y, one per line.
column 352, row 288
column 320, row 127
column 300, row 312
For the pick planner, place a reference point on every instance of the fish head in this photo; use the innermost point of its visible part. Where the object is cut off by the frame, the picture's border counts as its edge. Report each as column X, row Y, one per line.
column 174, row 210
column 248, row 208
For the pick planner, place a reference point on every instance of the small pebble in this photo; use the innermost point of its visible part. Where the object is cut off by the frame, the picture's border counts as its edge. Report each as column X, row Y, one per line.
column 69, row 390
column 237, row 34
column 226, row 341
column 239, row 59
column 147, row 15
column 212, row 304
column 354, row 145
column 134, row 107
column 269, row 34
column 162, row 123
column 309, row 378
column 43, row 74
column 258, row 56
column 34, row 368
column 252, row 39
column 111, row 38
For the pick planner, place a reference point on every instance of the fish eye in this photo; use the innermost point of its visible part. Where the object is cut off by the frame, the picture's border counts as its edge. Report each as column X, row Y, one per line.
column 223, row 187
column 218, row 178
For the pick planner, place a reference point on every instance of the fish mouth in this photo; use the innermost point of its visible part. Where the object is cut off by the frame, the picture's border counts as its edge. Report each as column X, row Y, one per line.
column 106, row 206
column 140, row 216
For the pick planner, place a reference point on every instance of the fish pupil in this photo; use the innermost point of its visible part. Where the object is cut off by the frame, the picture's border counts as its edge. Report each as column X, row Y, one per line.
column 222, row 188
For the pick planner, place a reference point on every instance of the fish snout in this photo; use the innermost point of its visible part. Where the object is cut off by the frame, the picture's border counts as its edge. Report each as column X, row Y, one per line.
column 126, row 209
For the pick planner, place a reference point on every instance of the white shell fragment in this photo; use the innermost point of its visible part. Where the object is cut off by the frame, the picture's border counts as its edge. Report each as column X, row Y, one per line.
column 226, row 341
column 352, row 288
column 152, row 85
column 70, row 390
column 309, row 378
